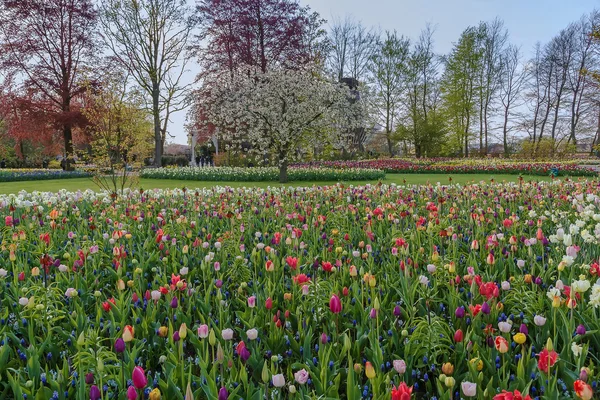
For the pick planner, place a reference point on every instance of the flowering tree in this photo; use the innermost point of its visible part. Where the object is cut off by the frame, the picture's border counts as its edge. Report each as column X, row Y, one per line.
column 282, row 112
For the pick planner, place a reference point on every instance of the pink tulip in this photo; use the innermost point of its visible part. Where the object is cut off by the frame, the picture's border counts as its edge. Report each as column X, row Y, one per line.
column 335, row 304
column 139, row 378
column 131, row 393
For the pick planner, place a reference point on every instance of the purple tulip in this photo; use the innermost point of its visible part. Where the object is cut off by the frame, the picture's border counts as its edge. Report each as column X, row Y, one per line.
column 485, row 308
column 523, row 329
column 580, row 330
column 219, row 283
column 373, row 313
column 176, row 336
column 323, row 338
column 89, row 378
column 460, row 312
column 174, row 302
column 94, row 393
column 245, row 354
column 397, row 311
column 119, row 345
column 223, row 393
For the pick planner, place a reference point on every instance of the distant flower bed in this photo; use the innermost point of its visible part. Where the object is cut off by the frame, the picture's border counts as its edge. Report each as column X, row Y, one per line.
column 263, row 174
column 16, row 175
column 461, row 167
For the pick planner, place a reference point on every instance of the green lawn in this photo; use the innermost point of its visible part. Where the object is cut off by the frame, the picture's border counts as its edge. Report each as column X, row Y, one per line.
column 87, row 183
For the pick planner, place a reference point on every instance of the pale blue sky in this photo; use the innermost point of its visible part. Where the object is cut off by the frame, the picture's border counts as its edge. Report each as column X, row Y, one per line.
column 528, row 21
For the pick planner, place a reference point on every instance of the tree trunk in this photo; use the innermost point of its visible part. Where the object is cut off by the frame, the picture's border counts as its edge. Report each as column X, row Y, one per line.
column 158, row 140
column 283, row 168
column 389, row 144
column 68, row 137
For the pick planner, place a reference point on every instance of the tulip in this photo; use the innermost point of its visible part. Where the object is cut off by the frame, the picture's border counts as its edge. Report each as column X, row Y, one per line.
column 458, row 336
column 448, row 368
column 469, row 389
column 183, row 331
column 227, row 334
column 459, row 312
column 94, row 393
column 539, row 320
column 252, row 301
column 252, row 334
column 397, row 311
column 523, row 329
column 163, row 331
column 268, row 303
column 154, row 394
column 369, row 370
column 131, row 393
column 119, row 345
column 402, row 392
column 301, row 376
column 583, row 390
column 580, row 330
column 485, row 308
column 128, row 333
column 278, row 380
column 520, row 338
column 399, row 366
column 174, row 302
column 335, row 304
column 324, row 338
column 223, row 395
column 501, row 344
column 139, row 378
column 547, row 359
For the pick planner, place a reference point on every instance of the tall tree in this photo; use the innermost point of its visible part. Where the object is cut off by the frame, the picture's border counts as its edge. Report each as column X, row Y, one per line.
column 149, row 38
column 47, row 44
column 387, row 80
column 262, row 34
column 422, row 123
column 460, row 87
column 351, row 49
column 492, row 38
column 511, row 80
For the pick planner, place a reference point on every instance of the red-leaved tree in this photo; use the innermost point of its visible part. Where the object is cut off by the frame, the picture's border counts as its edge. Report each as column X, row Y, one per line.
column 257, row 33
column 46, row 46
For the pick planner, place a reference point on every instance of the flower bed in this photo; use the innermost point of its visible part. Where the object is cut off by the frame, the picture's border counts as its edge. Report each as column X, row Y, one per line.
column 16, row 175
column 263, row 174
column 461, row 167
column 330, row 292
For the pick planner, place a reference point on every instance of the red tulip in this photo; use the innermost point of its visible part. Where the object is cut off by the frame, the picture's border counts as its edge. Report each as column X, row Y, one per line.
column 458, row 336
column 583, row 390
column 516, row 395
column 547, row 359
column 292, row 262
column 402, row 392
column 269, row 303
column 139, row 378
column 335, row 304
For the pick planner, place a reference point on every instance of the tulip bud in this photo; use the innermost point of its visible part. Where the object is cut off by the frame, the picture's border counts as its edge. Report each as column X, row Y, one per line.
column 212, row 339
column 265, row 373
column 220, row 354
column 183, row 331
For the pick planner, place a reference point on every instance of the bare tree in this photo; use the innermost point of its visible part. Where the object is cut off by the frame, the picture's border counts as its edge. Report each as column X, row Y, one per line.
column 149, row 37
column 352, row 48
column 493, row 39
column 388, row 73
column 578, row 79
column 511, row 81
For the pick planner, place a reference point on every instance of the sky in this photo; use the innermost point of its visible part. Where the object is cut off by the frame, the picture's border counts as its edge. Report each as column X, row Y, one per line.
column 527, row 21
